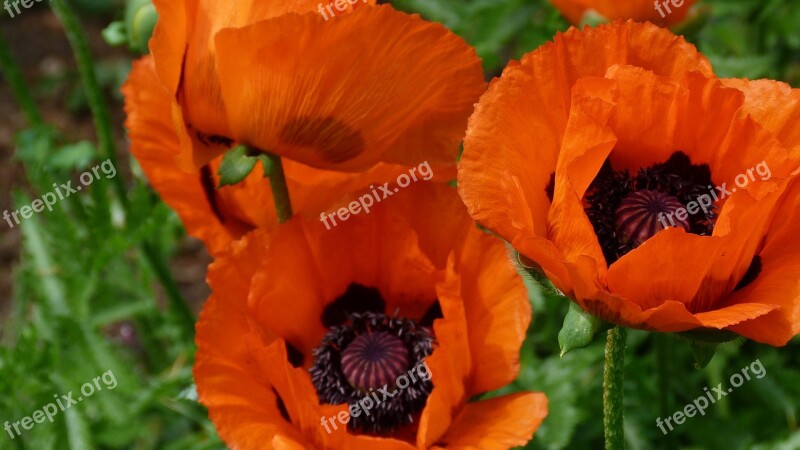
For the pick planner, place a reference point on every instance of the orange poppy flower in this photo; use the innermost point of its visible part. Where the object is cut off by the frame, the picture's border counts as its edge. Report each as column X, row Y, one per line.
column 661, row 12
column 218, row 216
column 390, row 325
column 644, row 187
column 338, row 93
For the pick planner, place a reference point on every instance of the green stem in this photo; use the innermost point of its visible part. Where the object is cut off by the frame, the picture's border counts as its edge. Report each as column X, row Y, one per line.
column 83, row 57
column 664, row 373
column 177, row 304
column 105, row 138
column 280, row 191
column 613, row 379
column 16, row 82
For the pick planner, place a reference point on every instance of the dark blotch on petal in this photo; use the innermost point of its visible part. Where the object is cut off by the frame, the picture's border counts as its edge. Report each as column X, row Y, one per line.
column 752, row 273
column 207, row 181
column 295, row 356
column 281, row 406
column 213, row 139
column 433, row 313
column 550, row 188
column 357, row 299
column 328, row 138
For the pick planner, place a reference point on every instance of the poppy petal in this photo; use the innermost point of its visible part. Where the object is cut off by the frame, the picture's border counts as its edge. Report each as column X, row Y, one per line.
column 498, row 423
column 154, row 143
column 774, row 105
column 338, row 109
column 450, row 363
column 168, row 44
column 219, row 215
column 497, row 311
column 775, row 282
column 587, row 143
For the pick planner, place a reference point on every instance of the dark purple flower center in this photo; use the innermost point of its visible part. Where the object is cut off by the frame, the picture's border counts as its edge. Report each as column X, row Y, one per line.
column 626, row 210
column 373, row 360
column 369, row 357
column 641, row 214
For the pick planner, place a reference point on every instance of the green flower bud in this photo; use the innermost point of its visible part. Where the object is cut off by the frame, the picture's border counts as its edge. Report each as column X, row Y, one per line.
column 140, row 19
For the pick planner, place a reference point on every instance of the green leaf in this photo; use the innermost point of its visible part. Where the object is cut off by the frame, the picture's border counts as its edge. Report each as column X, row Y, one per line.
column 78, row 434
column 76, row 156
column 702, row 353
column 236, row 166
column 535, row 272
column 579, row 329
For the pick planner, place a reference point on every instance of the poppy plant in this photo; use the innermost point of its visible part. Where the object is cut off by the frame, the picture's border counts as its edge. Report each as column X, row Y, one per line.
column 579, row 150
column 378, row 336
column 374, row 85
column 218, row 215
column 661, row 12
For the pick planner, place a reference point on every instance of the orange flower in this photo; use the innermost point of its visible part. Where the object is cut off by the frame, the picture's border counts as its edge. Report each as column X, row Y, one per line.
column 661, row 12
column 411, row 307
column 344, row 93
column 218, row 216
column 642, row 186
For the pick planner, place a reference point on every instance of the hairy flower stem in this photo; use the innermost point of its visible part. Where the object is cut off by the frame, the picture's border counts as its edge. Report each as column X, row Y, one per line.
column 280, row 191
column 613, row 379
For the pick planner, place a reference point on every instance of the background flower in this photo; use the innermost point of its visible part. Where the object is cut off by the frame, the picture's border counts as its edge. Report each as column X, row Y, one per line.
column 666, row 13
column 218, row 215
column 293, row 85
column 631, row 134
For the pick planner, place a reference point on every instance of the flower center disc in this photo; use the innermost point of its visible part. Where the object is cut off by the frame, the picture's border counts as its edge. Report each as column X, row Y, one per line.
column 371, row 355
column 374, row 359
column 642, row 214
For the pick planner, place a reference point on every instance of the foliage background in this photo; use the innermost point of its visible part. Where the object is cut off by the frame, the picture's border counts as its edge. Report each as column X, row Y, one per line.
column 102, row 282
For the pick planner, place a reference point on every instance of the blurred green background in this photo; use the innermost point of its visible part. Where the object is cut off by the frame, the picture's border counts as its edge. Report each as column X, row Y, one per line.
column 103, row 282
